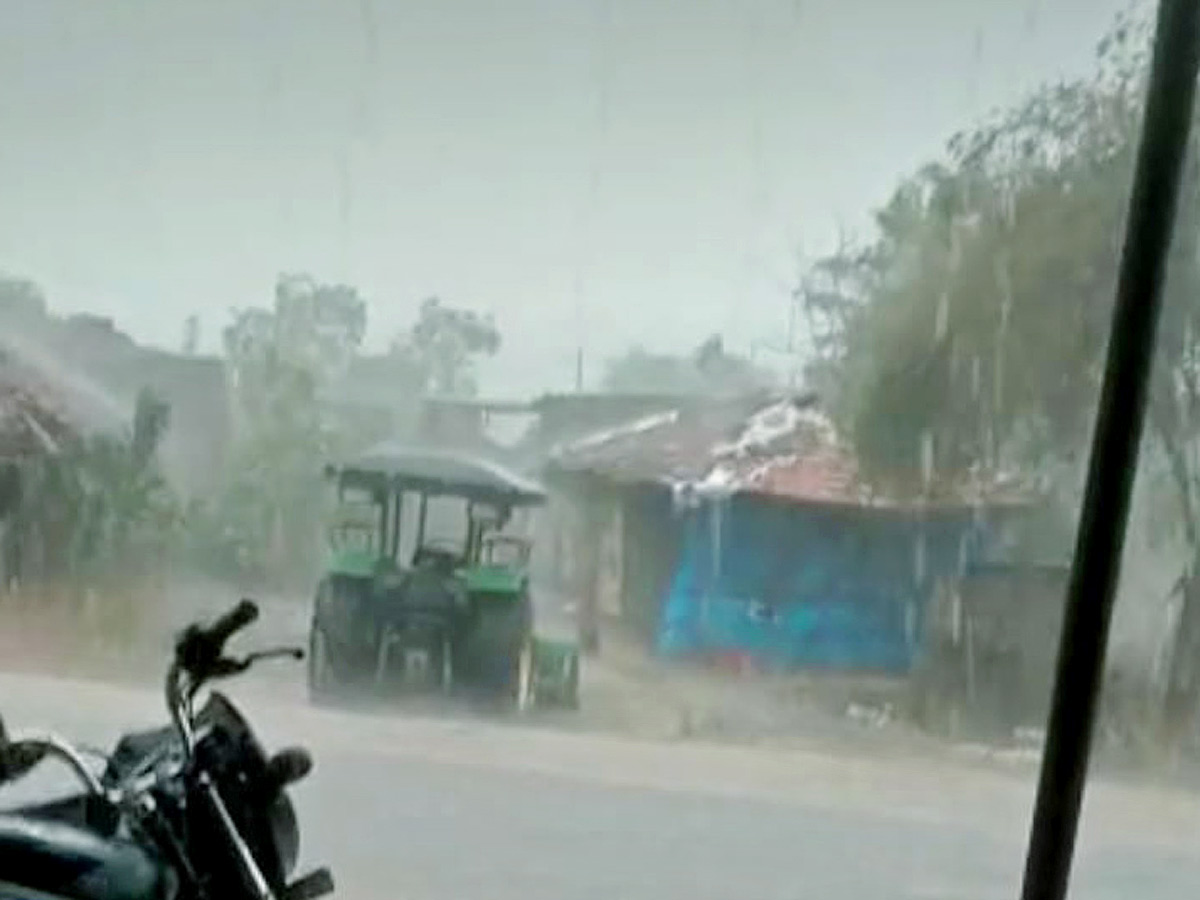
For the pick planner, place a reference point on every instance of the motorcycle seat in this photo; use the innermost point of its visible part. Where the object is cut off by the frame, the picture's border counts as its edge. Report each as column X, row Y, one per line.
column 60, row 860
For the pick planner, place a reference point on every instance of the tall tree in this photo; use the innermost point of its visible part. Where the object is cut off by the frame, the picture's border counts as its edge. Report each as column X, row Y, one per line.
column 100, row 507
column 970, row 331
column 444, row 345
column 282, row 362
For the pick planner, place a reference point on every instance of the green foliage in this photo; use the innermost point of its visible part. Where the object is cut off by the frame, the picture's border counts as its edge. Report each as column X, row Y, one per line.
column 296, row 410
column 280, row 359
column 282, row 364
column 101, row 508
column 970, row 332
column 441, row 348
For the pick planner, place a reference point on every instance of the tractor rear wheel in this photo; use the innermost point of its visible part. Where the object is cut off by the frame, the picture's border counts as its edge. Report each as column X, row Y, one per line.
column 500, row 653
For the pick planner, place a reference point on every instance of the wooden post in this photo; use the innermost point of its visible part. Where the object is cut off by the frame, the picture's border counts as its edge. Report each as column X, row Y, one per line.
column 589, row 573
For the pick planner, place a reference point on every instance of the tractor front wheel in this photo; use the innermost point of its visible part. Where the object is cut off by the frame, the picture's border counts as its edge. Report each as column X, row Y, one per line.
column 322, row 682
column 499, row 654
column 523, row 688
column 447, row 666
column 571, row 687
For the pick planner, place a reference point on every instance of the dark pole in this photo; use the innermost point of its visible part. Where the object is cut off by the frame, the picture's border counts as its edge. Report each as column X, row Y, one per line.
column 382, row 497
column 423, row 510
column 1112, row 467
column 397, row 510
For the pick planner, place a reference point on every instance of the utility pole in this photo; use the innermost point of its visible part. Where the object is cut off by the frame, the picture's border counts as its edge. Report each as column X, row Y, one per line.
column 791, row 341
column 191, row 335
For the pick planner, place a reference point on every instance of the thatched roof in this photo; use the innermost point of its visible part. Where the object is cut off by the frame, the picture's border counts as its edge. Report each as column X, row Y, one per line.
column 33, row 419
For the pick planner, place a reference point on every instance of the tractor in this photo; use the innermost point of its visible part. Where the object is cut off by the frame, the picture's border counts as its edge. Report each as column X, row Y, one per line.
column 428, row 585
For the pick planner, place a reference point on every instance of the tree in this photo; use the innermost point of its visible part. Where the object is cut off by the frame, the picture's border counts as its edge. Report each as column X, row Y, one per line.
column 283, row 363
column 970, row 331
column 287, row 365
column 709, row 369
column 443, row 346
column 100, row 508
column 977, row 317
column 128, row 513
column 281, row 358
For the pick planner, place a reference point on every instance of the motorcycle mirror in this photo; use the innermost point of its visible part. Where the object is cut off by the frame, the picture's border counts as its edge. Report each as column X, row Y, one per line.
column 17, row 758
column 289, row 766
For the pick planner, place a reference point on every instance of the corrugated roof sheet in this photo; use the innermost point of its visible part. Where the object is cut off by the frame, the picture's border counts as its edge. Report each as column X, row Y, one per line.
column 785, row 448
column 441, row 470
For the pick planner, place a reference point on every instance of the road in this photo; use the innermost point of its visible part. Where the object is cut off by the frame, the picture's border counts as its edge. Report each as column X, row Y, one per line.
column 439, row 808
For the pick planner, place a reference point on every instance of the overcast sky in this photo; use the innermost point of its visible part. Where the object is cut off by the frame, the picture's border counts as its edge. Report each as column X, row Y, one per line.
column 596, row 171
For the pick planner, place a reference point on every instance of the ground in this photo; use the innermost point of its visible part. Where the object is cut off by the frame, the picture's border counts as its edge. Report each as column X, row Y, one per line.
column 410, row 807
column 621, row 692
column 404, row 804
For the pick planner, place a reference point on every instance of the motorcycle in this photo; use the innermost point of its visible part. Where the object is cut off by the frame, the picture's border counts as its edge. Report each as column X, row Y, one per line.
column 195, row 810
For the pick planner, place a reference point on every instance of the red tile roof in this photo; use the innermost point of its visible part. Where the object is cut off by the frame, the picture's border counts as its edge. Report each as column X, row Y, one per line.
column 826, row 476
column 786, row 449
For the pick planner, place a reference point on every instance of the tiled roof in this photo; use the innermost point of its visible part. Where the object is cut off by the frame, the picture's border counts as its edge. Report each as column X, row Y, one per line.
column 784, row 448
column 667, row 446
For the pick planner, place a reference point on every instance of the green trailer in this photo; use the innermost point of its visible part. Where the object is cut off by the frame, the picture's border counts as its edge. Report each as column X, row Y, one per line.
column 402, row 608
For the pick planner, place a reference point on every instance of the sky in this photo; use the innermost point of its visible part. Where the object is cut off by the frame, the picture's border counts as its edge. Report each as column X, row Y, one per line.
column 594, row 173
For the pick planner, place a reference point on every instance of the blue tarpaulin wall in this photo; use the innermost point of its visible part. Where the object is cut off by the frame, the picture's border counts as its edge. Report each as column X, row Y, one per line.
column 807, row 587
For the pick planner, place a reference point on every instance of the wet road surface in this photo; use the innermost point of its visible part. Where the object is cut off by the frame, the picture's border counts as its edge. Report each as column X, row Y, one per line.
column 419, row 808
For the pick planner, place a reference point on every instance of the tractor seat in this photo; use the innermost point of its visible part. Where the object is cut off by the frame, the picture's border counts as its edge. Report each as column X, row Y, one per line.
column 441, row 559
column 426, row 590
column 67, row 861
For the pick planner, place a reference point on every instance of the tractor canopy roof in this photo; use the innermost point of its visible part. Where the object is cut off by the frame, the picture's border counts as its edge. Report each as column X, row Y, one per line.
column 394, row 466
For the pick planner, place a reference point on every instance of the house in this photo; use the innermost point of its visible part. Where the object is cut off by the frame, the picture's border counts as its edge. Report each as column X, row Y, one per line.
column 742, row 527
column 39, row 419
column 103, row 370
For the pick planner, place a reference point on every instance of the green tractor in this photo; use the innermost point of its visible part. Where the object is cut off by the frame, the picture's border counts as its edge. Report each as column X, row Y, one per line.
column 427, row 591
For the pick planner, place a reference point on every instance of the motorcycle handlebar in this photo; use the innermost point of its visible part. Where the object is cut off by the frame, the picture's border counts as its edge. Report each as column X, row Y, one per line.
column 200, row 658
column 199, row 648
column 245, row 613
